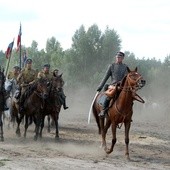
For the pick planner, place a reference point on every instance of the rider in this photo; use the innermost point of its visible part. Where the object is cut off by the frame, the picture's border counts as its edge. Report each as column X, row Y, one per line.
column 45, row 73
column 14, row 73
column 116, row 71
column 62, row 95
column 25, row 79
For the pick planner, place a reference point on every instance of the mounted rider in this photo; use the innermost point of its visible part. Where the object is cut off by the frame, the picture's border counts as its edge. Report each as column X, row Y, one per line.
column 26, row 78
column 61, row 91
column 116, row 71
column 14, row 73
column 45, row 73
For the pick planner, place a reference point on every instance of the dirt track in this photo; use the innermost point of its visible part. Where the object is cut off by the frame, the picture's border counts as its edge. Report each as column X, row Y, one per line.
column 79, row 144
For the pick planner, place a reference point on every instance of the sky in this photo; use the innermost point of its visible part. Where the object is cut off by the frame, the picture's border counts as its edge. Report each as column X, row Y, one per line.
column 143, row 25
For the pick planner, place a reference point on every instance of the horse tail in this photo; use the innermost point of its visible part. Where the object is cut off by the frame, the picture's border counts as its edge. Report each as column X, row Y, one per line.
column 95, row 113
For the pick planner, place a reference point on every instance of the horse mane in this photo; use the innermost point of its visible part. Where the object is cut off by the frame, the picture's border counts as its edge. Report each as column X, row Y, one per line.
column 123, row 81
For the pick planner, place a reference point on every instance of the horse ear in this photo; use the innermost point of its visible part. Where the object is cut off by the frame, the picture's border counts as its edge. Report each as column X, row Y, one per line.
column 136, row 69
column 128, row 69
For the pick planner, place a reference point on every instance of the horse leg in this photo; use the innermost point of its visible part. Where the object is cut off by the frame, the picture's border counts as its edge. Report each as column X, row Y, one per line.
column 106, row 127
column 55, row 118
column 26, row 126
column 113, row 138
column 48, row 119
column 1, row 128
column 42, row 126
column 38, row 122
column 19, row 119
column 127, row 128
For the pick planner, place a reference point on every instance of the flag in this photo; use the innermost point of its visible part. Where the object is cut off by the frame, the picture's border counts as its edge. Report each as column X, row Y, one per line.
column 9, row 49
column 19, row 39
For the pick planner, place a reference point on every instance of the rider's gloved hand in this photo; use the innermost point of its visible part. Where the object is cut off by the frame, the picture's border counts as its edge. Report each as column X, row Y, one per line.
column 99, row 89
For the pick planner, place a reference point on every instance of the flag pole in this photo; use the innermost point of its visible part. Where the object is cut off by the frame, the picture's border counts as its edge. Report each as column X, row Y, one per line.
column 20, row 50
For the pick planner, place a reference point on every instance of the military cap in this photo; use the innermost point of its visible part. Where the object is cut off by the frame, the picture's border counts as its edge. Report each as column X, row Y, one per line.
column 120, row 54
column 29, row 61
column 47, row 65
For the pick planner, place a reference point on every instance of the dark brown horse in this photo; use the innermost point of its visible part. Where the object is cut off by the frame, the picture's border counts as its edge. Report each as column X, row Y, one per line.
column 33, row 106
column 120, row 112
column 2, row 81
column 53, row 103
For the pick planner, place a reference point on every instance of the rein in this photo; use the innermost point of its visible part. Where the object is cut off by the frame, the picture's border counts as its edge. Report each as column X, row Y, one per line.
column 135, row 96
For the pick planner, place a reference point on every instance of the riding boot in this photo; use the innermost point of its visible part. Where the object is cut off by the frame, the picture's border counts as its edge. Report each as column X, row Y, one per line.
column 105, row 107
column 64, row 104
column 63, row 99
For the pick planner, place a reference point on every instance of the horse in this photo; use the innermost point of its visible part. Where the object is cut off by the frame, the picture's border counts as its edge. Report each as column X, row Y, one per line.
column 2, row 81
column 33, row 106
column 53, row 103
column 120, row 110
column 10, row 87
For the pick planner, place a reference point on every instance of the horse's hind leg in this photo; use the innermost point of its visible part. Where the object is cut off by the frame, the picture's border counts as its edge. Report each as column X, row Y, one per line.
column 104, row 132
column 127, row 128
column 113, row 138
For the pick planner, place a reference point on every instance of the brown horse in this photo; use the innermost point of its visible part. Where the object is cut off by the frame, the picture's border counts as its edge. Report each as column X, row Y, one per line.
column 53, row 103
column 33, row 106
column 2, row 81
column 120, row 111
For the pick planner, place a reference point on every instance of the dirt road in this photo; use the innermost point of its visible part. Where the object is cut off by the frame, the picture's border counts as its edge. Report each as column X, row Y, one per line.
column 79, row 144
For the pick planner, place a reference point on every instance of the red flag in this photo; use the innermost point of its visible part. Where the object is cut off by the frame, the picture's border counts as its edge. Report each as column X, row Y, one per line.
column 9, row 49
column 19, row 38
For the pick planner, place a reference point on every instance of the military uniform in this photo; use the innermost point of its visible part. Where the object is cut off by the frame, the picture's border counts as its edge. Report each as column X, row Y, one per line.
column 12, row 75
column 24, row 79
column 116, row 72
column 44, row 75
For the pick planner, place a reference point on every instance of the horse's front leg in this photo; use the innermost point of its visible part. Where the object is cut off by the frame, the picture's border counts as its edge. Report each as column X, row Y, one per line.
column 42, row 125
column 1, row 128
column 26, row 126
column 127, row 128
column 38, row 122
column 55, row 118
column 48, row 120
column 108, row 151
column 18, row 119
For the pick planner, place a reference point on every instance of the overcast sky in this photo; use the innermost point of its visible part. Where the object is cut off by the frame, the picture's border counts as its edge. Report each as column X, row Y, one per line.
column 143, row 25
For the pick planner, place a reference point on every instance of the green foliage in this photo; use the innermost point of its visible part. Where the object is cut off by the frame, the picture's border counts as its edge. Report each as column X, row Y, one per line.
column 85, row 63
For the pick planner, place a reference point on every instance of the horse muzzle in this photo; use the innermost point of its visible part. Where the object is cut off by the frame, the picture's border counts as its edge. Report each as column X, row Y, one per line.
column 141, row 83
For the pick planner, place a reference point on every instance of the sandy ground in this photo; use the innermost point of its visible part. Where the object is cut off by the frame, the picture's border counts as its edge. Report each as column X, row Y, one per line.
column 79, row 144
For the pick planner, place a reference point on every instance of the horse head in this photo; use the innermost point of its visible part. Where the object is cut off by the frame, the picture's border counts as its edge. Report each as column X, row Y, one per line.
column 57, row 82
column 135, row 80
column 42, row 88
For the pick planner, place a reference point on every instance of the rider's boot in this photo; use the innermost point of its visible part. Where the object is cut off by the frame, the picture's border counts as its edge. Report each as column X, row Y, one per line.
column 64, row 104
column 105, row 107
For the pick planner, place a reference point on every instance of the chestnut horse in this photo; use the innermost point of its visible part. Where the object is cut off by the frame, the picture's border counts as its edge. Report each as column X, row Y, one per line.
column 33, row 106
column 121, row 110
column 2, row 81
